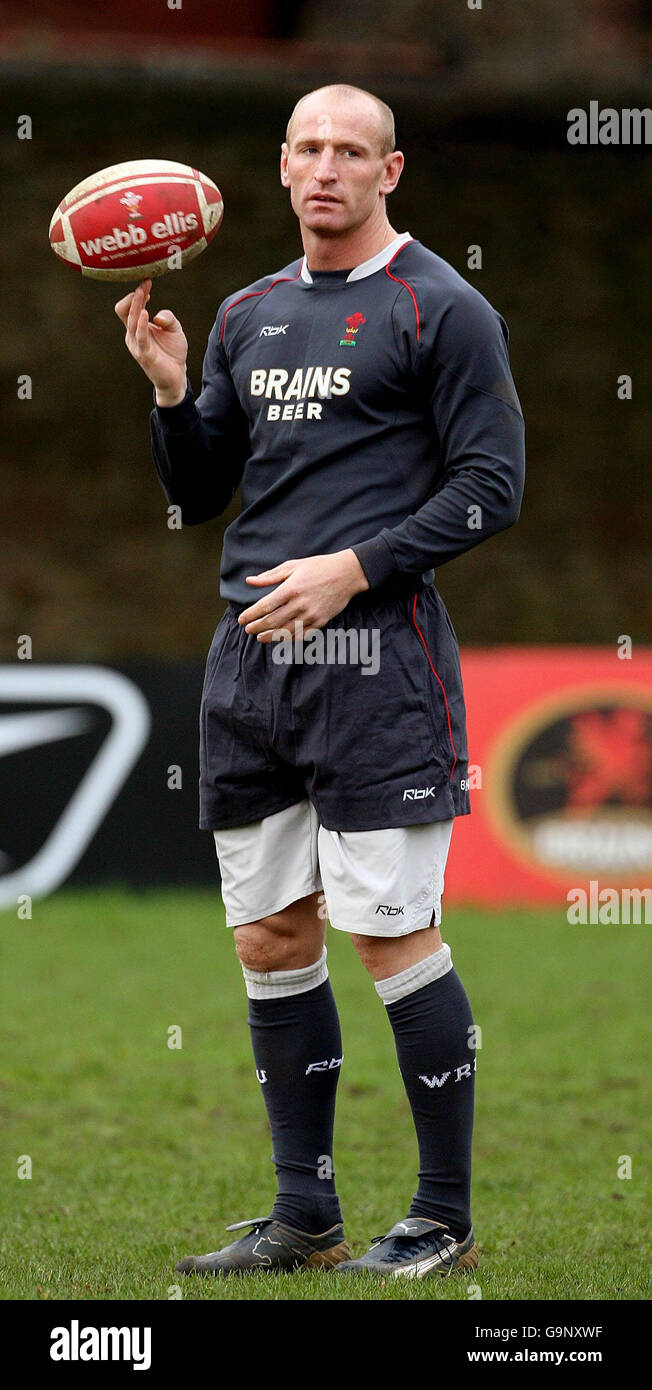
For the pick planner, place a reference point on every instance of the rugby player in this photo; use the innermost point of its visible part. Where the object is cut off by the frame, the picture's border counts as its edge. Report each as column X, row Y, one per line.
column 361, row 399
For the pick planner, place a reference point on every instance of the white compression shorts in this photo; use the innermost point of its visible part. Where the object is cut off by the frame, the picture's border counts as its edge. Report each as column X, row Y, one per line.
column 375, row 882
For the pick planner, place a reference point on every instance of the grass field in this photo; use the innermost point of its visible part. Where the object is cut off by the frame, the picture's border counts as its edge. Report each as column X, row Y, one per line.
column 141, row 1154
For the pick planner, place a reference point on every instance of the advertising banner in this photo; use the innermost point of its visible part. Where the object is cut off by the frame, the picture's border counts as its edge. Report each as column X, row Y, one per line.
column 560, row 746
column 99, row 770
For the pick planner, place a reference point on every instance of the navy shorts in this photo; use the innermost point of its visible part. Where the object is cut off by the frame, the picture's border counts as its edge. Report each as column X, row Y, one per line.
column 366, row 718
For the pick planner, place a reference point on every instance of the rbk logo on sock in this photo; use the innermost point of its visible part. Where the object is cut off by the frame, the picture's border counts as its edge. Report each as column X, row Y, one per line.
column 325, row 1066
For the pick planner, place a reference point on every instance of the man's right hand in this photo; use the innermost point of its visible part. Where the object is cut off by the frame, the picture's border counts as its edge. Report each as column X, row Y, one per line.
column 161, row 347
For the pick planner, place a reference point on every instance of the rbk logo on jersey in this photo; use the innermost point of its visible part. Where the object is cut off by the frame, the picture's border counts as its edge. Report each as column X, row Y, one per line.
column 272, row 330
column 353, row 325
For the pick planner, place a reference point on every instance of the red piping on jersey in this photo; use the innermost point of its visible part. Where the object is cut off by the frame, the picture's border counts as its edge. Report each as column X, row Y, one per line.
column 252, row 294
column 425, row 648
column 405, row 286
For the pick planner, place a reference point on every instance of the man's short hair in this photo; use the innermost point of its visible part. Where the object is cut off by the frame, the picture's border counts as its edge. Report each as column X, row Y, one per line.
column 386, row 132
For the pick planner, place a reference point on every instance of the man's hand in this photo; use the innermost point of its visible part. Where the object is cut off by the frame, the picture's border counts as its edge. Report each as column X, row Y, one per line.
column 160, row 347
column 313, row 589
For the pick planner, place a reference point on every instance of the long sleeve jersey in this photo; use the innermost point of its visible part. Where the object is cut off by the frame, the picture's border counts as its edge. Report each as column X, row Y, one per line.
column 371, row 408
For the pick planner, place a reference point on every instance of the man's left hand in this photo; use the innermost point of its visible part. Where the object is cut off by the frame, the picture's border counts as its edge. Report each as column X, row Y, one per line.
column 313, row 590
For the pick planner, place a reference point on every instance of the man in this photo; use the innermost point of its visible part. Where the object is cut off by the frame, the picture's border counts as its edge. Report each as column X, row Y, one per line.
column 362, row 400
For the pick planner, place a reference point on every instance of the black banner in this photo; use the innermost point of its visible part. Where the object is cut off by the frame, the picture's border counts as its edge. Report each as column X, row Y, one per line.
column 99, row 777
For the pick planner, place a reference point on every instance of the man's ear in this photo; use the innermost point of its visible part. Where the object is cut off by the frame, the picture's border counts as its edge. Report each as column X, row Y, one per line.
column 285, row 178
column 393, row 170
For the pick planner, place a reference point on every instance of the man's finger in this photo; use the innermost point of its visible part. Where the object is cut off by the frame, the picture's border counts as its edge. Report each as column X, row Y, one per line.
column 134, row 312
column 258, row 614
column 142, row 326
column 289, row 626
column 264, row 607
column 123, row 306
column 259, row 580
column 272, row 576
column 139, row 299
column 281, row 622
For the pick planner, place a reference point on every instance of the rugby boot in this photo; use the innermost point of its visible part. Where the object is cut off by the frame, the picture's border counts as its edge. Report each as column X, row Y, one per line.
column 272, row 1246
column 413, row 1249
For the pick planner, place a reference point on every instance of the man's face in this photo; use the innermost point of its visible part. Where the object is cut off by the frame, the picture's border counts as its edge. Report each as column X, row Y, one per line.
column 333, row 165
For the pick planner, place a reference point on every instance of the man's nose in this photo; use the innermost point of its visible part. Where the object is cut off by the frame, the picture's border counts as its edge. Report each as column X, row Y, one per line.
column 325, row 171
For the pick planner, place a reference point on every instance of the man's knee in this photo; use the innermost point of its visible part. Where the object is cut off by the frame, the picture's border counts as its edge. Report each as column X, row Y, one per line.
column 383, row 956
column 368, row 948
column 267, row 944
column 285, row 940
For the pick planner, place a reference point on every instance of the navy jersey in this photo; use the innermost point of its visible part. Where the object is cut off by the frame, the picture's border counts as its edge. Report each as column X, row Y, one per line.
column 372, row 409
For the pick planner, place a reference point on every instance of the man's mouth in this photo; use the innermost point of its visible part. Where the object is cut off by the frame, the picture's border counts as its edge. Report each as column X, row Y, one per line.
column 323, row 198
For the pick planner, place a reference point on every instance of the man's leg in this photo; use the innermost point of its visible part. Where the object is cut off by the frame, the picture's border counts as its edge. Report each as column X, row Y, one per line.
column 271, row 887
column 433, row 1030
column 384, row 888
column 297, row 1048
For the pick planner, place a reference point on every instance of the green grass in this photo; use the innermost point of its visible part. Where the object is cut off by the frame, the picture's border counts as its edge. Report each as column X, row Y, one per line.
column 141, row 1154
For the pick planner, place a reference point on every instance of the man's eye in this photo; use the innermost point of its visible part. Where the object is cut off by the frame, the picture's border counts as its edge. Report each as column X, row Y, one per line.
column 355, row 153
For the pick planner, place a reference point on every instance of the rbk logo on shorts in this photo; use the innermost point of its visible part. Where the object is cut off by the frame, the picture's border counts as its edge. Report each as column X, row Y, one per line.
column 418, row 793
column 388, row 911
column 325, row 1066
column 438, row 1081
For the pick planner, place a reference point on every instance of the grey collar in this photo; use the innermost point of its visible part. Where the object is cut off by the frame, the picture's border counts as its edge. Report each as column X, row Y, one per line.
column 369, row 267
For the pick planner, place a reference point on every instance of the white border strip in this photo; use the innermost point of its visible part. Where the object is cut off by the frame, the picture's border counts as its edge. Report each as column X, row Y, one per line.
column 104, row 778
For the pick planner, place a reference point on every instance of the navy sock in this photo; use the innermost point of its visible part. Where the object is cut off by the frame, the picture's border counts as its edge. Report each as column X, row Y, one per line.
column 431, row 1029
column 298, row 1051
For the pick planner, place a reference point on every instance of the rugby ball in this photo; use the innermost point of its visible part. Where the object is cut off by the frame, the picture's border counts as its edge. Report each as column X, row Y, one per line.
column 136, row 220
